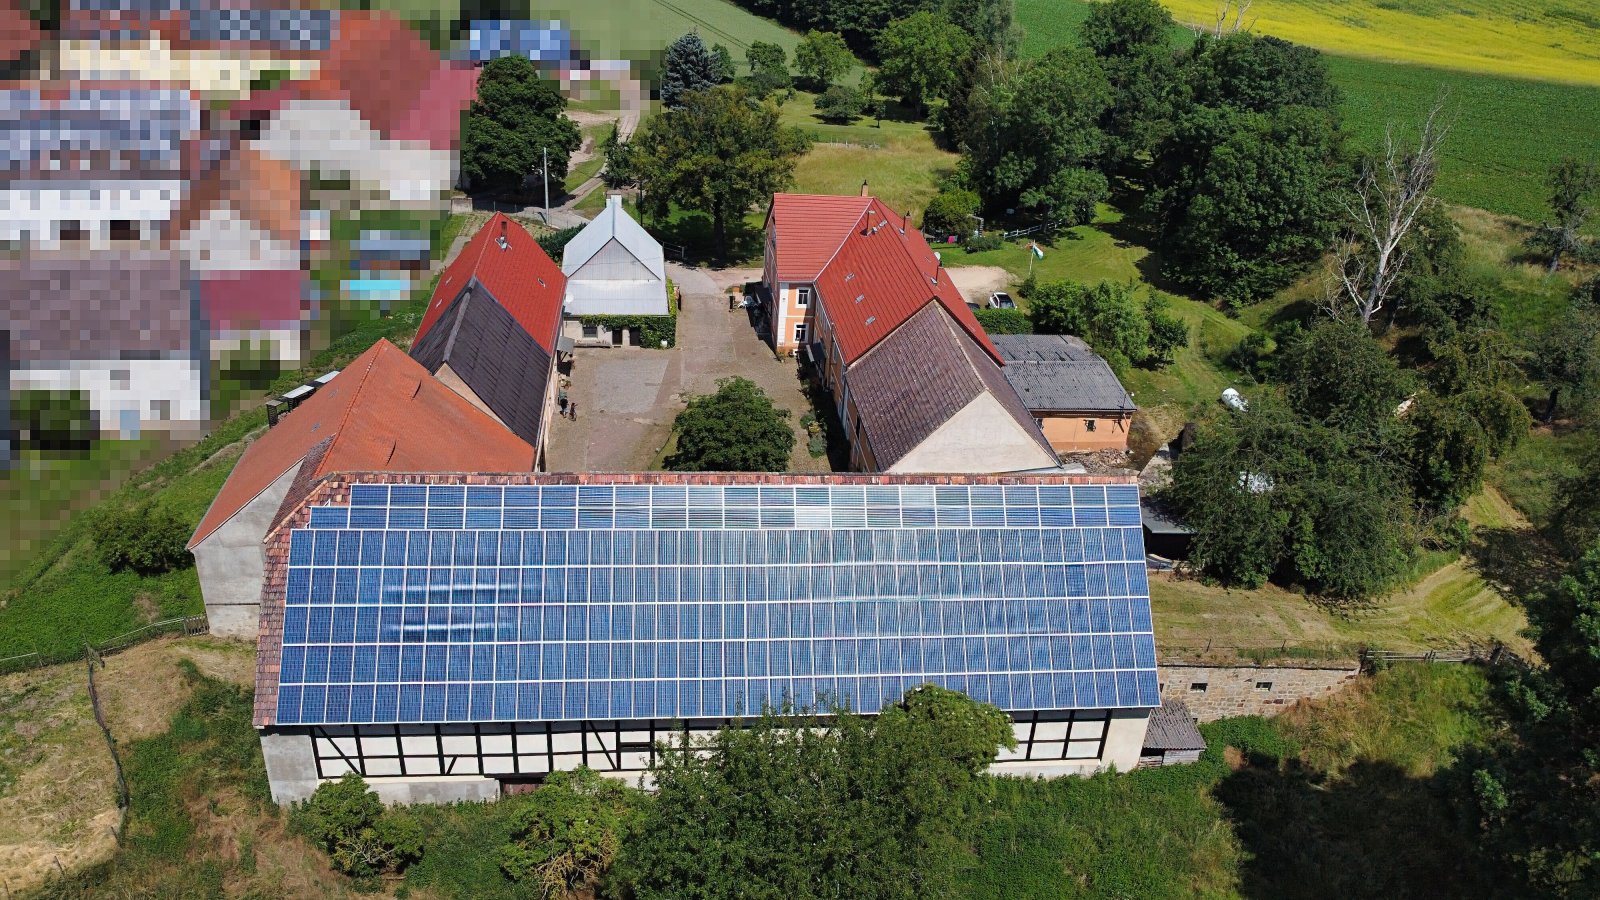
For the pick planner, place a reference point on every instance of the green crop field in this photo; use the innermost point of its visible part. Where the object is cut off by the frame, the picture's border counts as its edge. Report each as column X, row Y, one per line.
column 1507, row 131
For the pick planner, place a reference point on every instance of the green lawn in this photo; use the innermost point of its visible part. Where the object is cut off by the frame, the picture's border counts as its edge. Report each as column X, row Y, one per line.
column 583, row 171
column 1507, row 131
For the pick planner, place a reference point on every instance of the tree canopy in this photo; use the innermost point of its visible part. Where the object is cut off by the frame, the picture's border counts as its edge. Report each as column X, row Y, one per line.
column 769, row 68
column 821, row 57
column 517, row 117
column 918, row 57
column 690, row 66
column 817, row 808
column 737, row 429
column 565, row 836
column 719, row 154
column 1110, row 317
column 1131, row 40
column 1032, row 132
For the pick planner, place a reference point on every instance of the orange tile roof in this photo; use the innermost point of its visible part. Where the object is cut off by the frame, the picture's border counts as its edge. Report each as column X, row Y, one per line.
column 382, row 412
column 381, row 65
column 521, row 277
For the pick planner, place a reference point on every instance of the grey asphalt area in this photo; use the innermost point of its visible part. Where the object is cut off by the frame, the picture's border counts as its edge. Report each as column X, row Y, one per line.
column 628, row 397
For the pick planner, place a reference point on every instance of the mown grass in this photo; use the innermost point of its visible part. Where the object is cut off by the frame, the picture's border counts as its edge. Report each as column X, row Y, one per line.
column 1314, row 803
column 1507, row 132
column 1530, row 474
column 1541, row 39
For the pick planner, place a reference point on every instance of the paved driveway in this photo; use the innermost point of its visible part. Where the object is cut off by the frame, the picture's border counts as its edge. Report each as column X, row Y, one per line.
column 628, row 397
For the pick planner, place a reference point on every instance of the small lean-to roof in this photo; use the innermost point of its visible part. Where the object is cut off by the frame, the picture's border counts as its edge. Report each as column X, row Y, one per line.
column 1059, row 373
column 382, row 412
column 614, row 223
column 505, row 259
column 1172, row 728
column 808, row 229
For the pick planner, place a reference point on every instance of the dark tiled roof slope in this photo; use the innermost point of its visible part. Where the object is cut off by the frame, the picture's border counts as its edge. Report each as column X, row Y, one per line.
column 520, row 275
column 1060, row 373
column 1172, row 728
column 920, row 376
column 483, row 345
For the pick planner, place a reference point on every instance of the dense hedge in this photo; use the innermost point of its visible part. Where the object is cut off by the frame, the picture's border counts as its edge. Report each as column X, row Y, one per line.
column 1004, row 321
column 652, row 329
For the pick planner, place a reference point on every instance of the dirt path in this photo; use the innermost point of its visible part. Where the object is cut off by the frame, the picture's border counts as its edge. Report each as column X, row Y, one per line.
column 976, row 283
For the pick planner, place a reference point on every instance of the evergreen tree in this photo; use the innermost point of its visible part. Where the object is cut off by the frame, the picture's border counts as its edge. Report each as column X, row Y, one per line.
column 690, row 66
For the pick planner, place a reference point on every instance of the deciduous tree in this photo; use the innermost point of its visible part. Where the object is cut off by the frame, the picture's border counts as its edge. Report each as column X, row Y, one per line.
column 737, row 429
column 918, row 57
column 720, row 154
column 821, row 57
column 1131, row 38
column 1336, row 373
column 1574, row 190
column 514, row 125
column 769, row 68
column 565, row 836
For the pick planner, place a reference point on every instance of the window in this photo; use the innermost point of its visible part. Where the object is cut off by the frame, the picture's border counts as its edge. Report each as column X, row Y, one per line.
column 124, row 230
column 591, row 331
column 121, row 378
column 1088, row 424
column 162, row 409
column 800, row 333
column 73, row 231
column 802, row 297
column 1197, row 687
column 1263, row 685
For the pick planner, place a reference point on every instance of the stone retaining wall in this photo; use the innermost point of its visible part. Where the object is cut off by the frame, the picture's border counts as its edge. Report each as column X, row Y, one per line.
column 1215, row 691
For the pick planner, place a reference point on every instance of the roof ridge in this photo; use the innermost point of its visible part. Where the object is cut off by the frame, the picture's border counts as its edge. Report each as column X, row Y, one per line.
column 383, row 346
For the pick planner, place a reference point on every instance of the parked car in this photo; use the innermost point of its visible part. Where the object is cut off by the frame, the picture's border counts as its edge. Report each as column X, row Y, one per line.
column 1001, row 300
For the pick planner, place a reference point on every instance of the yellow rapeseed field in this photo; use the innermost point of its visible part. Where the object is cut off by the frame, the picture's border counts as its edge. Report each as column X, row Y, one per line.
column 1551, row 40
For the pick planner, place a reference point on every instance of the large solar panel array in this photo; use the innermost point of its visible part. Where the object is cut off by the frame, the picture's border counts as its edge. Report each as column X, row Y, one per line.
column 567, row 602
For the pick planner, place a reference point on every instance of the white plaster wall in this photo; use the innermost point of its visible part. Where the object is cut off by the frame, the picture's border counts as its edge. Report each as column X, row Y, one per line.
column 327, row 135
column 35, row 214
column 982, row 437
column 232, row 562
column 126, row 407
column 223, row 242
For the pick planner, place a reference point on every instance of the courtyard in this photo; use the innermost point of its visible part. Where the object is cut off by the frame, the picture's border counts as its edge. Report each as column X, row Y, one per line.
column 626, row 397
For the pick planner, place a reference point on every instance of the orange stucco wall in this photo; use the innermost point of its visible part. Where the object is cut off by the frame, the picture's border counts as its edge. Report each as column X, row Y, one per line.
column 1070, row 433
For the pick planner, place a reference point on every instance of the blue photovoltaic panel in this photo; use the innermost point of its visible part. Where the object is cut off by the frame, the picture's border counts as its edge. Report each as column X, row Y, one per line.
column 559, row 602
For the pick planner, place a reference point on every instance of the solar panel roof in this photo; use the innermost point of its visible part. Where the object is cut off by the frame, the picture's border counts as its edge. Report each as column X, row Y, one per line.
column 560, row 602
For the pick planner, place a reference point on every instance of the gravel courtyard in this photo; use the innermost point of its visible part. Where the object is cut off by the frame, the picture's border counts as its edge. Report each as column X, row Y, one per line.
column 628, row 397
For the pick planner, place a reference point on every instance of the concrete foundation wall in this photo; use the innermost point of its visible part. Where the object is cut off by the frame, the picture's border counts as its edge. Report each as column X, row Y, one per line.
column 291, row 769
column 1216, row 692
column 231, row 563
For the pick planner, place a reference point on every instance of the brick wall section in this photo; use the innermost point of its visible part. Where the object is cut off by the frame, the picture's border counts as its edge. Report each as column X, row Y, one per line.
column 1232, row 691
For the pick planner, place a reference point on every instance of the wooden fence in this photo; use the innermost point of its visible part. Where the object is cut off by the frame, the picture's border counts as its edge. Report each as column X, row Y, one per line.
column 185, row 625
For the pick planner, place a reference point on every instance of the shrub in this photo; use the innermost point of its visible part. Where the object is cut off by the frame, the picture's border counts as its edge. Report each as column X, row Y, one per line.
column 950, row 212
column 143, row 539
column 54, row 420
column 982, row 242
column 1250, row 355
column 361, row 838
column 737, row 429
column 841, row 104
column 556, row 241
column 566, row 834
column 1004, row 321
column 1168, row 335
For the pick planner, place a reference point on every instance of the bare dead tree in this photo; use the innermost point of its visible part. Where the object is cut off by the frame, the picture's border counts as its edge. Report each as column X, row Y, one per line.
column 1382, row 209
column 1224, row 27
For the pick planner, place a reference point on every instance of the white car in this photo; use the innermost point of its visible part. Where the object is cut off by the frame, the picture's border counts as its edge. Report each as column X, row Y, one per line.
column 1001, row 300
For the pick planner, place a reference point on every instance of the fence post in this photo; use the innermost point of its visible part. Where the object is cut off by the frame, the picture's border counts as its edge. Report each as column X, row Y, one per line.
column 111, row 744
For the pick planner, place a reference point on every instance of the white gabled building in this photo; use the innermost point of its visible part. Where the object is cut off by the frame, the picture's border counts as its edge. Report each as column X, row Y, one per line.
column 613, row 268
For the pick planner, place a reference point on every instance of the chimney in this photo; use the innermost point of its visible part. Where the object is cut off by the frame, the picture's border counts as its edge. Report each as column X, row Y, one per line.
column 614, row 201
column 905, row 223
column 502, row 240
column 864, row 191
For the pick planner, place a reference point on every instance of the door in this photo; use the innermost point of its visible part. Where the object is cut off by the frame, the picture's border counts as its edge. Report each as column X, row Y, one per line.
column 616, row 337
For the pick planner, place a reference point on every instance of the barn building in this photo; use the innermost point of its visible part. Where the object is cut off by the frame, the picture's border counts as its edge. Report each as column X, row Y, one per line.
column 453, row 637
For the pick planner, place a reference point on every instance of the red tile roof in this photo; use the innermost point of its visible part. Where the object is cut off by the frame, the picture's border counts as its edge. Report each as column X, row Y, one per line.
column 380, row 65
column 883, row 274
column 251, row 299
column 521, row 277
column 809, row 229
column 382, row 412
column 18, row 32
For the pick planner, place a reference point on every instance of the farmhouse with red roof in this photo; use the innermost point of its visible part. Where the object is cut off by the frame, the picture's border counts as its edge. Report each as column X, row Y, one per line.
column 917, row 382
column 490, row 329
column 381, row 413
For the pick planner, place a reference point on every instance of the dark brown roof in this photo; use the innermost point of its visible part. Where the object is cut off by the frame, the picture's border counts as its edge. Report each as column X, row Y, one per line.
column 1172, row 728
column 920, row 376
column 75, row 308
column 489, row 350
